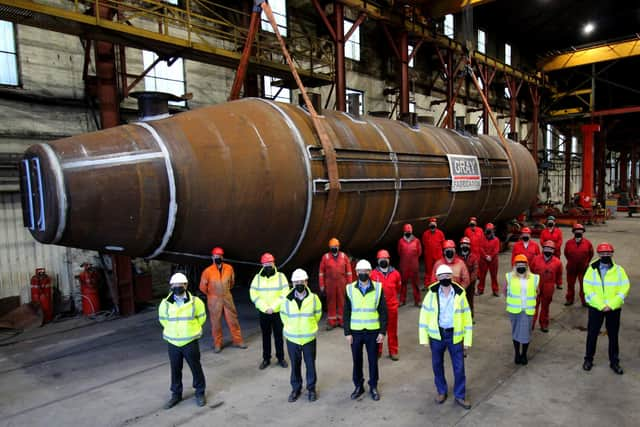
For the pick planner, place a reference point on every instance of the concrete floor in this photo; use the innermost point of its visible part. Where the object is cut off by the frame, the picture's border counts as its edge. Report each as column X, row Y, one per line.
column 116, row 373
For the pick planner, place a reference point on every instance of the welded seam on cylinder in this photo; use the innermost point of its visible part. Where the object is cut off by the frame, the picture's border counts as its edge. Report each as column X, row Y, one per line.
column 353, row 119
column 398, row 183
column 113, row 161
column 307, row 164
column 208, row 257
column 62, row 194
column 173, row 206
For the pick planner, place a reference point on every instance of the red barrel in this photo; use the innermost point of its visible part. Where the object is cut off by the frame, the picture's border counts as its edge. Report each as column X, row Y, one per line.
column 41, row 293
column 89, row 289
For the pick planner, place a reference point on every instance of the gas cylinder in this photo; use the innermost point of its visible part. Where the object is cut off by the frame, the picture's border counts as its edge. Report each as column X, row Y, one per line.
column 41, row 293
column 89, row 289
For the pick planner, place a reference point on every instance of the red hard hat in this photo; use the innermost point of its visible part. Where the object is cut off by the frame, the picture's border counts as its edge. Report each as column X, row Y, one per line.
column 473, row 219
column 448, row 244
column 526, row 230
column 549, row 244
column 577, row 227
column 383, row 253
column 465, row 241
column 217, row 251
column 267, row 258
column 433, row 219
column 408, row 228
column 604, row 247
column 489, row 226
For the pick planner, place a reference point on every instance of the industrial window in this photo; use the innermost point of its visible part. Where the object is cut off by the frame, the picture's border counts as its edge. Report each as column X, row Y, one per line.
column 548, row 145
column 482, row 41
column 574, row 145
column 507, row 128
column 352, row 46
column 8, row 55
column 279, row 8
column 276, row 93
column 172, row 2
column 480, row 125
column 164, row 77
column 410, row 51
column 507, row 53
column 507, row 92
column 449, row 29
column 412, row 107
column 561, row 142
column 480, row 82
column 359, row 95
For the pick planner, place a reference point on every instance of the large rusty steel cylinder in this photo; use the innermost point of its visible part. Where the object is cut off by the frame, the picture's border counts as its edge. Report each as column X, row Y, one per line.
column 250, row 176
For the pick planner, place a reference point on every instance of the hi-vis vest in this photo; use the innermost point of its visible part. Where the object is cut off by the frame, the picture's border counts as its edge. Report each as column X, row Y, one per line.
column 429, row 324
column 609, row 290
column 266, row 292
column 364, row 308
column 183, row 324
column 514, row 292
column 301, row 324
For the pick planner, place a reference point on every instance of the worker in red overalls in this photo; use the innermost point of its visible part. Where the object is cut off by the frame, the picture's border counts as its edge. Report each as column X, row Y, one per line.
column 472, row 261
column 549, row 268
column 553, row 233
column 334, row 275
column 391, row 282
column 409, row 251
column 460, row 273
column 432, row 240
column 578, row 252
column 489, row 259
column 475, row 235
column 525, row 246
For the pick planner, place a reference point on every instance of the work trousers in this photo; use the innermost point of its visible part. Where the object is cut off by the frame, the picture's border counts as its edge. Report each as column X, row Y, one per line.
column 335, row 291
column 217, row 310
column 191, row 353
column 612, row 323
column 392, row 332
column 297, row 353
column 456, row 351
column 492, row 268
column 368, row 340
column 470, row 292
column 271, row 323
column 410, row 276
column 543, row 302
column 573, row 273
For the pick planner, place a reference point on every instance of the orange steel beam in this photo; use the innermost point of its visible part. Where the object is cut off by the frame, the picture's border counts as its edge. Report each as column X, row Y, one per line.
column 592, row 55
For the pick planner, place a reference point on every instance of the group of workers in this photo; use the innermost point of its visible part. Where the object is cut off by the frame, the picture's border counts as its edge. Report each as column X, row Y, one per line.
column 365, row 304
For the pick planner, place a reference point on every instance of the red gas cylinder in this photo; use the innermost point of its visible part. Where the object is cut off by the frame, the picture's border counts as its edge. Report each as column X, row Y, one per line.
column 89, row 289
column 41, row 293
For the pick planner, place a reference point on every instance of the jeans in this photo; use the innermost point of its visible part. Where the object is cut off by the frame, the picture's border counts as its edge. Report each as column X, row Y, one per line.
column 456, row 351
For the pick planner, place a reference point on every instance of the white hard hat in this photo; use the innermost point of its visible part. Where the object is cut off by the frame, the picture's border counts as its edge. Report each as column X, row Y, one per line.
column 444, row 269
column 299, row 275
column 363, row 264
column 178, row 278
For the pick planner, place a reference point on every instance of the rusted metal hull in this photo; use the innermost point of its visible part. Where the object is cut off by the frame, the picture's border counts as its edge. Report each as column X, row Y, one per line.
column 250, row 176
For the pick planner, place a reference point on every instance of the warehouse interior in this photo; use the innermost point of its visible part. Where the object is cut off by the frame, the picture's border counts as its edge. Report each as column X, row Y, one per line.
column 275, row 141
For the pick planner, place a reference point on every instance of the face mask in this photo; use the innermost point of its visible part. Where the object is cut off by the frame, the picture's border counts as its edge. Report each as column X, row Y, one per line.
column 472, row 225
column 449, row 253
column 300, row 288
column 521, row 270
column 547, row 253
column 334, row 251
column 179, row 290
column 218, row 261
column 363, row 277
column 383, row 263
column 445, row 282
column 525, row 238
column 268, row 271
column 407, row 235
column 578, row 235
column 464, row 250
column 605, row 260
column 549, row 224
column 432, row 226
column 488, row 234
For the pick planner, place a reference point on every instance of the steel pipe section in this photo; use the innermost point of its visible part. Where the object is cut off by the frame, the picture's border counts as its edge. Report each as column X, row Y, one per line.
column 250, row 175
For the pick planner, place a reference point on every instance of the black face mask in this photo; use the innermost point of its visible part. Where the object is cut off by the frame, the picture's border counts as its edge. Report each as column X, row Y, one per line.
column 363, row 277
column 550, row 224
column 449, row 253
column 521, row 270
column 334, row 251
column 179, row 290
column 464, row 250
column 383, row 263
column 547, row 254
column 300, row 288
column 407, row 235
column 605, row 260
column 525, row 239
column 489, row 234
column 268, row 271
column 578, row 235
column 432, row 226
column 445, row 282
column 218, row 261
column 472, row 225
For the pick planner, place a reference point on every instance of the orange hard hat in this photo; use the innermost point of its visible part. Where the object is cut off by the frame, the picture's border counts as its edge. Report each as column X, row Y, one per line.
column 383, row 253
column 448, row 244
column 526, row 230
column 465, row 241
column 549, row 244
column 577, row 227
column 334, row 242
column 521, row 258
column 217, row 251
column 433, row 219
column 408, row 228
column 489, row 226
column 266, row 258
column 604, row 247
